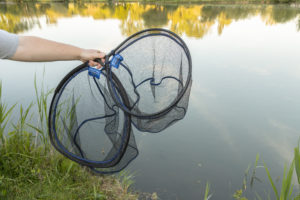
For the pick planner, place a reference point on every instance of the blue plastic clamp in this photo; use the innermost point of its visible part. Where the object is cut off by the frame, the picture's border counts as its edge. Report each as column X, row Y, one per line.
column 115, row 62
column 94, row 72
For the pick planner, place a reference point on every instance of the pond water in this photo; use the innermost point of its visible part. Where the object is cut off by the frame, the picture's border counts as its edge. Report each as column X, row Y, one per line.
column 244, row 98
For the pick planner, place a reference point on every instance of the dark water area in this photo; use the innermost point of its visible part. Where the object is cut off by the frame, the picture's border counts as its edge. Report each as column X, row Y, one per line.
column 244, row 99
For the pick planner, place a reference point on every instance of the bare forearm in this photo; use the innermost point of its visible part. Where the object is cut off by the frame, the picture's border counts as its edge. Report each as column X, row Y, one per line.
column 35, row 49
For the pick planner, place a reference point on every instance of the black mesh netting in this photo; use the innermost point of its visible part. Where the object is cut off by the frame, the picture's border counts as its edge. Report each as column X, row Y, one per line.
column 146, row 82
column 87, row 126
column 156, row 72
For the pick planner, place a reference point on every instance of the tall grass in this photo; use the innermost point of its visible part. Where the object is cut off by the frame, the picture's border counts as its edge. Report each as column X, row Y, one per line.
column 42, row 97
column 207, row 196
column 31, row 169
column 4, row 116
column 286, row 190
column 286, row 187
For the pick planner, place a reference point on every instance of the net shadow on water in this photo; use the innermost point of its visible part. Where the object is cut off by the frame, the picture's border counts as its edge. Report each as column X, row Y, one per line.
column 146, row 82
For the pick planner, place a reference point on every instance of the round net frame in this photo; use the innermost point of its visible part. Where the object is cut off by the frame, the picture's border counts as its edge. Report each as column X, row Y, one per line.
column 86, row 126
column 157, row 62
column 146, row 82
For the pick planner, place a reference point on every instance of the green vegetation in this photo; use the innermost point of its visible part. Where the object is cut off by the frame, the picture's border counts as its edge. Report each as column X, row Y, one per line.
column 31, row 169
column 286, row 191
column 286, row 188
column 238, row 195
column 207, row 196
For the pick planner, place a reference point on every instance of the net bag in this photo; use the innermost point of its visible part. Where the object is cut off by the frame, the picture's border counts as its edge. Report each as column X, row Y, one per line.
column 145, row 82
column 85, row 124
column 154, row 66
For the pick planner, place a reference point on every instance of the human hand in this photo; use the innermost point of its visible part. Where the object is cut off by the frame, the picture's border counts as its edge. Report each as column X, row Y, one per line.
column 90, row 55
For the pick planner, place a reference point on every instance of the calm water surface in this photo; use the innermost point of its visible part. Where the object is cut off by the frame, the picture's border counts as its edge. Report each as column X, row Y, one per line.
column 244, row 99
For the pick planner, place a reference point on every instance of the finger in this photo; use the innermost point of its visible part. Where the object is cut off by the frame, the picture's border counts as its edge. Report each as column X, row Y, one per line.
column 98, row 66
column 93, row 63
column 100, row 54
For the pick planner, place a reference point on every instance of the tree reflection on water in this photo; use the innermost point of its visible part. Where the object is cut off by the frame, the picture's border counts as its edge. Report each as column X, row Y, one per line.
column 191, row 20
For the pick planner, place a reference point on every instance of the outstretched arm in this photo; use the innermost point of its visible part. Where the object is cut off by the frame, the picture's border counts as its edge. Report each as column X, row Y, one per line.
column 35, row 49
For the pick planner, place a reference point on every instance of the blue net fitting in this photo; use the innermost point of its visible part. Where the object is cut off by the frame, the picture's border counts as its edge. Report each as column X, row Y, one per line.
column 115, row 62
column 94, row 72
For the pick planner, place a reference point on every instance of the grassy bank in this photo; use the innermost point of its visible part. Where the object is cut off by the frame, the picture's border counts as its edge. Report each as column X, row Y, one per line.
column 31, row 169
